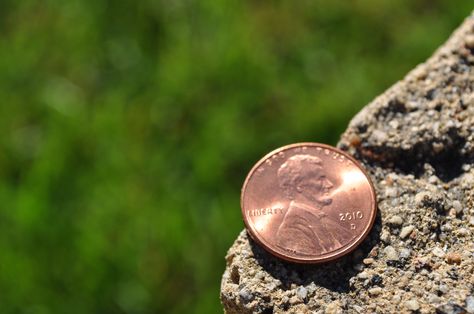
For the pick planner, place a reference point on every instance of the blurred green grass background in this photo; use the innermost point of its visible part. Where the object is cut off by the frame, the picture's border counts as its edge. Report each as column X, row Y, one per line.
column 127, row 129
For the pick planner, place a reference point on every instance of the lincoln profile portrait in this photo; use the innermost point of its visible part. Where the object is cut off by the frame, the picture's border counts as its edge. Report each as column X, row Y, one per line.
column 306, row 228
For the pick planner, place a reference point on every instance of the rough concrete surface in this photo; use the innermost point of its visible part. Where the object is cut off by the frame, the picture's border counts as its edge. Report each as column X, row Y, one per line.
column 417, row 142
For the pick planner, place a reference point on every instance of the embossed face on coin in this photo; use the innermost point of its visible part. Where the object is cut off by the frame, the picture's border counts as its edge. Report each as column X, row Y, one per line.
column 308, row 203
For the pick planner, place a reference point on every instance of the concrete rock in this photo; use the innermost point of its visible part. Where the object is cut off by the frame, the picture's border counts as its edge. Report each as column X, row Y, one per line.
column 417, row 143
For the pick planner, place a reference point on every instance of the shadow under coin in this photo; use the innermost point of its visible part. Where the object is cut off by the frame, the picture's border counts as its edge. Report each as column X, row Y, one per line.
column 333, row 275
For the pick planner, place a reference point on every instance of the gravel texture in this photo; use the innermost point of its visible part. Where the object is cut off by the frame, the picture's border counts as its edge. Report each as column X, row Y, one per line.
column 417, row 143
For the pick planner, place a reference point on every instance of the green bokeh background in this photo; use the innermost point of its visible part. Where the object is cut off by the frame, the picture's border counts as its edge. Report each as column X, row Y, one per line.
column 127, row 128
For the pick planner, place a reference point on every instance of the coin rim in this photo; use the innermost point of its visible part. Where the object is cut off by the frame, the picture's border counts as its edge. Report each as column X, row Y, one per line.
column 329, row 257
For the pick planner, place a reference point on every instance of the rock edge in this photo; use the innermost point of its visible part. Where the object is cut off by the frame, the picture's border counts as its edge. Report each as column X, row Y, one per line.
column 416, row 141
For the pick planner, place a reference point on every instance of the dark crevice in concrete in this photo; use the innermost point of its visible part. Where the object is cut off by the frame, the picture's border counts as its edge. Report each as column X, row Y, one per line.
column 394, row 106
column 447, row 163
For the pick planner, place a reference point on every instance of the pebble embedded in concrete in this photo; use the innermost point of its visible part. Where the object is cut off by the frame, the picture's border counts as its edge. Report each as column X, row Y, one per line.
column 412, row 305
column 375, row 291
column 421, row 197
column 437, row 251
column 396, row 220
column 470, row 41
column 405, row 232
column 390, row 253
column 245, row 295
column 453, row 258
column 457, row 206
column 302, row 293
column 470, row 304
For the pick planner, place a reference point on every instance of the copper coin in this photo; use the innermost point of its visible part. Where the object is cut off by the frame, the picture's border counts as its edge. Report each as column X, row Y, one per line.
column 308, row 203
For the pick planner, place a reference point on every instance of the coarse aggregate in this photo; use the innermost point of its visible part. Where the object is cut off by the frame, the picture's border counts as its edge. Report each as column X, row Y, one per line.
column 416, row 141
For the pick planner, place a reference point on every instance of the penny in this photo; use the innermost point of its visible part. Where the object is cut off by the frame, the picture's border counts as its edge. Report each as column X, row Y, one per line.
column 308, row 203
